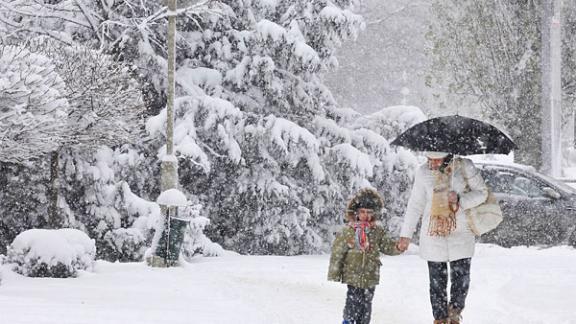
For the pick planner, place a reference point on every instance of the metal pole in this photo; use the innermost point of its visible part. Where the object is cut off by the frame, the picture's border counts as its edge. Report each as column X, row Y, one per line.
column 171, row 85
column 168, row 237
column 551, row 88
column 556, row 87
column 169, row 165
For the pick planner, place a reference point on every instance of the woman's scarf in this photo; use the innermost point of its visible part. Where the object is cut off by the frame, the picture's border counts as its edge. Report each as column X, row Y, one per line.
column 442, row 217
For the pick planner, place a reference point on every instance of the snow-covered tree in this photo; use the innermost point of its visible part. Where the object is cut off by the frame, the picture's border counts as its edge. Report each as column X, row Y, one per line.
column 105, row 100
column 131, row 31
column 101, row 195
column 488, row 53
column 251, row 111
column 249, row 90
column 103, row 107
column 106, row 104
column 33, row 109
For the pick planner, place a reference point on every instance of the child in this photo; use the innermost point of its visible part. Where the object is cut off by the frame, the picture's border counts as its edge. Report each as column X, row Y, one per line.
column 355, row 258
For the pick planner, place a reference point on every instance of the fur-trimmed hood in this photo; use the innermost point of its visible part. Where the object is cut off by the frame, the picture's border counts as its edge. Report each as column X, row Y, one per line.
column 365, row 198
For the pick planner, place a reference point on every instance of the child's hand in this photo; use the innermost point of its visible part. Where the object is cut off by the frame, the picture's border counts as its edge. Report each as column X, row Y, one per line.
column 402, row 244
column 333, row 277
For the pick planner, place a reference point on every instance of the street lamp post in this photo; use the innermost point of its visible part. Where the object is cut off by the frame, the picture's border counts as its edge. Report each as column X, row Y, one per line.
column 171, row 81
column 551, row 88
column 169, row 164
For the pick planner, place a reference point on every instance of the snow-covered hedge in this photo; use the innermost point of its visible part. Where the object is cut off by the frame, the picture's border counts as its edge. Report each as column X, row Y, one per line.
column 125, row 244
column 196, row 243
column 57, row 253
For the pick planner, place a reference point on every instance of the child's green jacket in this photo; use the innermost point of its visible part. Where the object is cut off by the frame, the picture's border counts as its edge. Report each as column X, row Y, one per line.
column 358, row 268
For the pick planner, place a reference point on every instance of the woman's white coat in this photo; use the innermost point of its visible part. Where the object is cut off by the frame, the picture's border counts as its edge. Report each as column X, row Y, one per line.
column 460, row 243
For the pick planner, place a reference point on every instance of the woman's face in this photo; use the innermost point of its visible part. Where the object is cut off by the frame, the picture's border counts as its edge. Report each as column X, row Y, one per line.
column 434, row 164
column 365, row 214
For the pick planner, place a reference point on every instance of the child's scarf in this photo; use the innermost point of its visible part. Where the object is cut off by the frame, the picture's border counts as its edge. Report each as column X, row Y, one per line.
column 361, row 235
column 442, row 217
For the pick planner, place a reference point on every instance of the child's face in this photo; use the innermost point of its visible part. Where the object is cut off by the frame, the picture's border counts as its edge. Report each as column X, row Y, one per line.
column 365, row 214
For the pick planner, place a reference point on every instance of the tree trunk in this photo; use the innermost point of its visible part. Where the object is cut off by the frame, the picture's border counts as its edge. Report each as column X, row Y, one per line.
column 54, row 220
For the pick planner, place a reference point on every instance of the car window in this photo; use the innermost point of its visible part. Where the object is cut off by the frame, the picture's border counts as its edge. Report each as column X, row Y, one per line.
column 511, row 183
column 528, row 186
column 563, row 187
column 498, row 182
column 504, row 179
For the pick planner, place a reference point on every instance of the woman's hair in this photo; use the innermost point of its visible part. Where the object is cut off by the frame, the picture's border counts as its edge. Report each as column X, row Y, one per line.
column 446, row 163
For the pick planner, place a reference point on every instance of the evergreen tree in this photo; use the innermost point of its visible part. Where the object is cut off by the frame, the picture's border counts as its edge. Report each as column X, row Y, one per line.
column 265, row 59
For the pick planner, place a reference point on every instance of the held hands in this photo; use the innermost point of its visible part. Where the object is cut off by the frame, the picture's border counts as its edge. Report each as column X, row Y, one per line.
column 402, row 244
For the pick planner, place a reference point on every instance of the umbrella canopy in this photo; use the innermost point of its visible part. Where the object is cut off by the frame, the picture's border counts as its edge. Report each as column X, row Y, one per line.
column 457, row 135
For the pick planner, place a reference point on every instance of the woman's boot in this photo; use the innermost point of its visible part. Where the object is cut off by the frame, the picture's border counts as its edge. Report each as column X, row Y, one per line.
column 454, row 315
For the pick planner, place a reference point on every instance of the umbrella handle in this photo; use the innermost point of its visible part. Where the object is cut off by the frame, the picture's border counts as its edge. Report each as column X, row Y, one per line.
column 452, row 176
column 456, row 157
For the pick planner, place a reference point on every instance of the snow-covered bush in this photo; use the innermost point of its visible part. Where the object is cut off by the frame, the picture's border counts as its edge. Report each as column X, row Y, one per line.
column 51, row 253
column 125, row 244
column 196, row 243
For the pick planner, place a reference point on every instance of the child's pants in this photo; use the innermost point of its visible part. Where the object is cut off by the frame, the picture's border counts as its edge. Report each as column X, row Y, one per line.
column 358, row 307
column 459, row 284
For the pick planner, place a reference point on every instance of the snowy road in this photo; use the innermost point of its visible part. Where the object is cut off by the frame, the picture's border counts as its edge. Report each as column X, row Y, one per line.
column 512, row 286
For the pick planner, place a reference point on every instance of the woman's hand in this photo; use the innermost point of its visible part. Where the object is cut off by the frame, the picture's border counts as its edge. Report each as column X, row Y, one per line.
column 453, row 197
column 453, row 201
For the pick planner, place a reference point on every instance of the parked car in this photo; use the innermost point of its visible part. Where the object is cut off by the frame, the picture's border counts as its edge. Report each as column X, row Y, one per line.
column 538, row 210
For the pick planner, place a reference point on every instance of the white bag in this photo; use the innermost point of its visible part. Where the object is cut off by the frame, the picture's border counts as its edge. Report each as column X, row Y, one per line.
column 486, row 216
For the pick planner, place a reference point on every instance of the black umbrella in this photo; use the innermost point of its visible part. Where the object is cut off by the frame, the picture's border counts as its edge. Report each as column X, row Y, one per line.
column 457, row 135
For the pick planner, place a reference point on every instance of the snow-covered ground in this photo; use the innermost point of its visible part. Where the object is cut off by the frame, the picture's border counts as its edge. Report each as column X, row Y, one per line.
column 513, row 286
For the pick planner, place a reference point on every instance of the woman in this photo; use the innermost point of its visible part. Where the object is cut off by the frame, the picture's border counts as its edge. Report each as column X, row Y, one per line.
column 440, row 195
